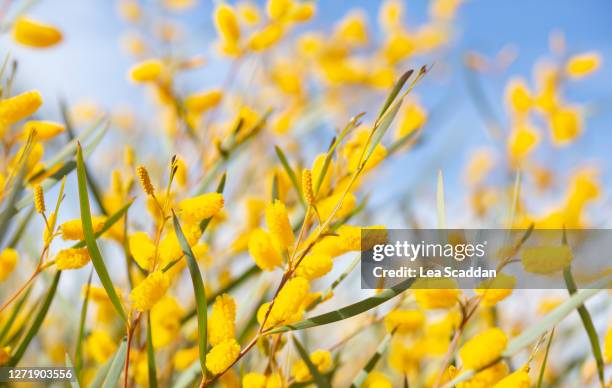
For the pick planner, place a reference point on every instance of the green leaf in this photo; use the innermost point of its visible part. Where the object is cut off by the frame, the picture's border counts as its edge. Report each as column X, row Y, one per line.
column 275, row 195
column 347, row 311
column 290, row 172
column 319, row 380
column 380, row 350
column 37, row 322
column 381, row 128
column 335, row 284
column 543, row 366
column 90, row 238
column 69, row 364
column 198, row 289
column 394, row 92
column 151, row 355
column 116, row 367
column 78, row 353
column 110, row 221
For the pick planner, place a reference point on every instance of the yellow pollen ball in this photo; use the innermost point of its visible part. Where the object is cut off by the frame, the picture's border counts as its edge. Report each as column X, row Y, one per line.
column 8, row 261
column 483, row 349
column 73, row 229
column 199, row 208
column 45, row 130
column 32, row 33
column 263, row 250
column 314, row 266
column 72, row 258
column 277, row 221
column 147, row 71
column 518, row 379
column 221, row 323
column 222, row 356
column 321, row 359
column 582, row 65
column 404, row 321
column 142, row 249
column 146, row 294
column 18, row 108
column 226, row 23
column 201, row 102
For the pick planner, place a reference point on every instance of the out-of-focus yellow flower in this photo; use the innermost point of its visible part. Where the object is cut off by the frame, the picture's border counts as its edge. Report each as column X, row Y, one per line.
column 221, row 356
column 413, row 118
column 8, row 260
column 287, row 306
column 480, row 164
column 390, row 14
column 321, row 359
column 148, row 292
column 142, row 249
column 264, row 250
column 518, row 96
column 200, row 102
column 129, row 10
column 248, row 12
column 486, row 377
column 608, row 345
column 266, row 37
column 258, row 380
column 32, row 33
column 398, row 46
column 221, row 323
column 436, row 293
column 302, row 11
column 483, row 349
column 546, row 259
column 100, row 346
column 278, row 9
column 353, row 29
column 327, row 205
column 277, row 221
column 546, row 305
column 430, row 37
column 377, row 379
column 405, row 358
column 179, row 5
column 518, row 379
column 183, row 358
column 565, row 125
column 72, row 258
column 582, row 65
column 19, row 107
column 444, row 9
column 314, row 266
column 150, row 70
column 404, row 321
column 45, row 130
column 521, row 142
column 73, row 229
column 5, row 355
column 134, row 45
column 227, row 24
column 495, row 290
column 199, row 208
column 165, row 321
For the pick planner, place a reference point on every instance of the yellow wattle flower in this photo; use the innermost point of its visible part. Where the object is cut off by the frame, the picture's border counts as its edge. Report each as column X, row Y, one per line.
column 183, row 358
column 100, row 346
column 278, row 9
column 227, row 24
column 582, row 65
column 266, row 37
column 5, row 355
column 222, row 356
column 32, row 33
column 200, row 102
column 221, row 322
column 147, row 71
column 149, row 291
column 404, row 321
column 353, row 29
column 39, row 199
column 302, row 12
column 495, row 290
column 263, row 250
column 518, row 96
column 254, row 380
column 18, row 107
column 179, row 5
column 166, row 321
column 199, row 208
column 142, row 249
column 73, row 229
column 72, row 258
column 287, row 306
column 327, row 205
column 487, row 377
column 518, row 379
column 377, row 379
column 277, row 221
column 436, row 293
column 565, row 125
column 483, row 349
column 314, row 266
column 45, row 130
column 607, row 348
column 414, row 117
column 248, row 12
column 521, row 142
column 8, row 261
column 546, row 259
column 321, row 359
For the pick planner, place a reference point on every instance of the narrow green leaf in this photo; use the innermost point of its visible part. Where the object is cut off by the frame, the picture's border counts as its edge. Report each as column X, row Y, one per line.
column 380, row 350
column 90, row 238
column 116, row 367
column 198, row 289
column 335, row 284
column 543, row 366
column 110, row 221
column 394, row 92
column 151, row 355
column 347, row 311
column 319, row 380
column 381, row 128
column 290, row 172
column 69, row 364
column 78, row 352
column 36, row 323
column 275, row 195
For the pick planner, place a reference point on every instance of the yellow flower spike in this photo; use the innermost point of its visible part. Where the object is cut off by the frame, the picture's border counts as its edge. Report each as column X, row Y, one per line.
column 327, row 205
column 179, row 5
column 487, row 377
column 307, row 187
column 390, row 14
column 277, row 221
column 278, row 9
column 134, row 45
column 436, row 293
column 146, row 294
column 8, row 261
column 221, row 322
column 302, row 12
column 444, row 9
column 377, row 379
column 199, row 208
column 518, row 379
column 264, row 251
column 414, row 117
column 546, row 259
column 19, row 107
column 142, row 249
column 482, row 349
column 72, row 258
column 607, row 347
column 582, row 65
column 45, row 130
column 314, row 266
column 321, row 359
column 150, row 70
column 404, row 321
column 227, row 24
column 100, row 346
column 266, row 37
column 32, row 33
column 495, row 290
column 254, row 380
column 73, row 229
column 398, row 46
column 201, row 102
column 39, row 199
column 521, row 142
column 518, row 96
column 129, row 10
column 566, row 124
column 166, row 321
column 221, row 356
column 287, row 306
column 183, row 358
column 248, row 12
column 353, row 29
column 317, row 170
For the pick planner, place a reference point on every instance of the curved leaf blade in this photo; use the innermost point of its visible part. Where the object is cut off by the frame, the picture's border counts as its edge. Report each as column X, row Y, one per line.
column 319, row 380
